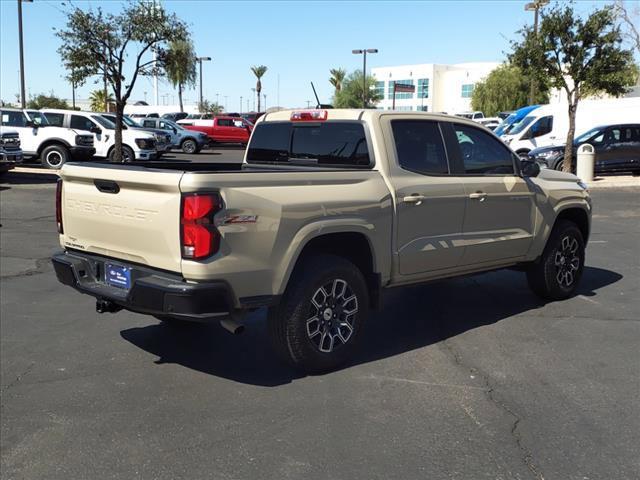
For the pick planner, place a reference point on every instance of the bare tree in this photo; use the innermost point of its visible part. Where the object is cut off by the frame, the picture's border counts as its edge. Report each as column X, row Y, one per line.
column 630, row 19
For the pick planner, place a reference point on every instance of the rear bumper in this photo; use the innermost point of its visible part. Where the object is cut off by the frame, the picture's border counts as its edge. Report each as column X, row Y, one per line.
column 152, row 291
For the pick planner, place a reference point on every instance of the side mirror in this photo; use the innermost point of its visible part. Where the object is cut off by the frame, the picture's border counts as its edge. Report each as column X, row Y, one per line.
column 31, row 124
column 96, row 130
column 529, row 168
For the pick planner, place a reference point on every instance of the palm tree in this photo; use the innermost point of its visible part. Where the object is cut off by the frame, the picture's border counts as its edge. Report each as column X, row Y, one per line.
column 98, row 101
column 259, row 72
column 180, row 66
column 337, row 77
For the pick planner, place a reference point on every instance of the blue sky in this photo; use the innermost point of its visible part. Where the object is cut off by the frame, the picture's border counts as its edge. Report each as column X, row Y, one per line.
column 299, row 41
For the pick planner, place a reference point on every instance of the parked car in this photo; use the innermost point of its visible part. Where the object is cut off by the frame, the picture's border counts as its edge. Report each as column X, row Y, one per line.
column 193, row 117
column 513, row 119
column 490, row 122
column 54, row 145
column 548, row 125
column 144, row 115
column 224, row 129
column 10, row 151
column 163, row 139
column 503, row 115
column 617, row 148
column 136, row 144
column 471, row 115
column 189, row 141
column 251, row 116
column 315, row 228
column 175, row 116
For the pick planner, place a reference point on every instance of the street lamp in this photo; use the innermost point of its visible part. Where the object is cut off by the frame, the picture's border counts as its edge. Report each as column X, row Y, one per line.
column 23, row 100
column 240, row 103
column 200, row 60
column 534, row 6
column 254, row 99
column 364, row 52
column 264, row 95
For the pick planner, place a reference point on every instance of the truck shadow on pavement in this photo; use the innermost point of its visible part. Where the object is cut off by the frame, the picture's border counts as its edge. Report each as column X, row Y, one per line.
column 411, row 318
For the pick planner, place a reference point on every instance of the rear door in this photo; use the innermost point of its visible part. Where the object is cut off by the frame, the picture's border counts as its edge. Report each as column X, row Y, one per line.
column 499, row 214
column 430, row 201
column 127, row 213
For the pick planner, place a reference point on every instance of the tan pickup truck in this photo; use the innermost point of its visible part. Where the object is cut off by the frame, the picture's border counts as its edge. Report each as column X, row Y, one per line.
column 328, row 209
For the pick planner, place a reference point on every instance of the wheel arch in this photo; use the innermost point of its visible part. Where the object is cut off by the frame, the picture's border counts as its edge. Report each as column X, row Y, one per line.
column 353, row 244
column 579, row 217
column 53, row 141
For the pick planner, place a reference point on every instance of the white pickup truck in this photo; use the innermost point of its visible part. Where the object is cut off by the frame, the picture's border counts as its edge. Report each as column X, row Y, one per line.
column 329, row 209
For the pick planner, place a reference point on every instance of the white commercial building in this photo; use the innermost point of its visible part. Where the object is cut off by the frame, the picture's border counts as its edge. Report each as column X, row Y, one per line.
column 438, row 88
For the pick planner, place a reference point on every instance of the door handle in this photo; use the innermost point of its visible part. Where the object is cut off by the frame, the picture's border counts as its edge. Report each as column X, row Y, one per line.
column 478, row 196
column 415, row 199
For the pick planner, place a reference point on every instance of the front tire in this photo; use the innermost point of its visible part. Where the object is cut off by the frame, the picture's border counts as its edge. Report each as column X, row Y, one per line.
column 127, row 154
column 558, row 272
column 189, row 146
column 54, row 156
column 318, row 324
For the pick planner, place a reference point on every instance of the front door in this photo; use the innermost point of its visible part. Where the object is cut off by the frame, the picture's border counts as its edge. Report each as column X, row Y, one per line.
column 499, row 215
column 429, row 201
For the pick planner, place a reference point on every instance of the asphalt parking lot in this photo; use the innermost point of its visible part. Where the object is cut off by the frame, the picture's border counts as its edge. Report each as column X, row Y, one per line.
column 469, row 378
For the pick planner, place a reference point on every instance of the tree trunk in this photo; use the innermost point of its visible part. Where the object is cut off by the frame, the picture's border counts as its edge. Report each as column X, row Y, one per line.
column 118, row 157
column 258, row 90
column 180, row 96
column 568, row 149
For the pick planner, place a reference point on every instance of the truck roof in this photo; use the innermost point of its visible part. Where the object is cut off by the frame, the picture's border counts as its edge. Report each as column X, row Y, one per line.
column 364, row 114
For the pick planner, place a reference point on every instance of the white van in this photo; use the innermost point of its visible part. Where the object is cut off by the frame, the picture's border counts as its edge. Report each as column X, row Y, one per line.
column 548, row 125
column 136, row 144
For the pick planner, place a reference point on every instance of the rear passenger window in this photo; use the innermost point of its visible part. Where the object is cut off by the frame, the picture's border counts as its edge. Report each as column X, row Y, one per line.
column 55, row 119
column 225, row 122
column 481, row 153
column 419, row 146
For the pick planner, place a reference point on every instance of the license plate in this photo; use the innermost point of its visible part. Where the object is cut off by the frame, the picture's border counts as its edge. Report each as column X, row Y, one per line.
column 117, row 276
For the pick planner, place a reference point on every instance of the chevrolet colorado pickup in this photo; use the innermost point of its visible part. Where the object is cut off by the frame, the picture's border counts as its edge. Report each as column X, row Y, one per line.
column 328, row 209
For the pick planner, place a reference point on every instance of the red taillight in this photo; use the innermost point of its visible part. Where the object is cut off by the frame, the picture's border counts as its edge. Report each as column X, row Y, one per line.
column 59, row 206
column 309, row 116
column 200, row 239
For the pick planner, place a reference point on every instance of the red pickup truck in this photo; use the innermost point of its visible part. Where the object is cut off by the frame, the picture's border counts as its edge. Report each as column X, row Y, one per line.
column 224, row 129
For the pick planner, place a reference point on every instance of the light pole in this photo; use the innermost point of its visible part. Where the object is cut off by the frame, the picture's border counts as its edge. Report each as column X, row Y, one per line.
column 240, row 103
column 217, row 102
column 23, row 100
column 264, row 95
column 254, row 99
column 225, row 102
column 364, row 52
column 200, row 60
column 534, row 6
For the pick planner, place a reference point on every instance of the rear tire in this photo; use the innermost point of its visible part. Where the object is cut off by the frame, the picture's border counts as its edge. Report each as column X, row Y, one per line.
column 318, row 324
column 54, row 156
column 558, row 272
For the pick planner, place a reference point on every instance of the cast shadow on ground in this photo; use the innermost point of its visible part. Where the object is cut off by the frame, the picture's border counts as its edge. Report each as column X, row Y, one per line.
column 412, row 318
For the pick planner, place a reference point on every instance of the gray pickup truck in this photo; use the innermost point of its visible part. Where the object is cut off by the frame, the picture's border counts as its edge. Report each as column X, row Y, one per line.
column 328, row 209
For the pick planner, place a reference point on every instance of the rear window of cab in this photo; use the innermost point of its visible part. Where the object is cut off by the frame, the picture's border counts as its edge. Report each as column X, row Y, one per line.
column 329, row 144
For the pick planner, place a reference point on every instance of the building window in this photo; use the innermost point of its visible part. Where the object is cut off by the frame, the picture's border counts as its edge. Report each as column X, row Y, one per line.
column 400, row 95
column 379, row 89
column 423, row 108
column 467, row 90
column 404, row 109
column 423, row 88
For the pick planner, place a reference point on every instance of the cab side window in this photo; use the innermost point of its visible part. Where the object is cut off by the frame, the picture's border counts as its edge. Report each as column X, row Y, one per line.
column 481, row 153
column 225, row 122
column 149, row 123
column 55, row 119
column 13, row 119
column 81, row 123
column 543, row 126
column 419, row 146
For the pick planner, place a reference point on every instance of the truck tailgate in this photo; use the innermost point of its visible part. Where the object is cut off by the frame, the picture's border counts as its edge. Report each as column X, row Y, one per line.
column 129, row 214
